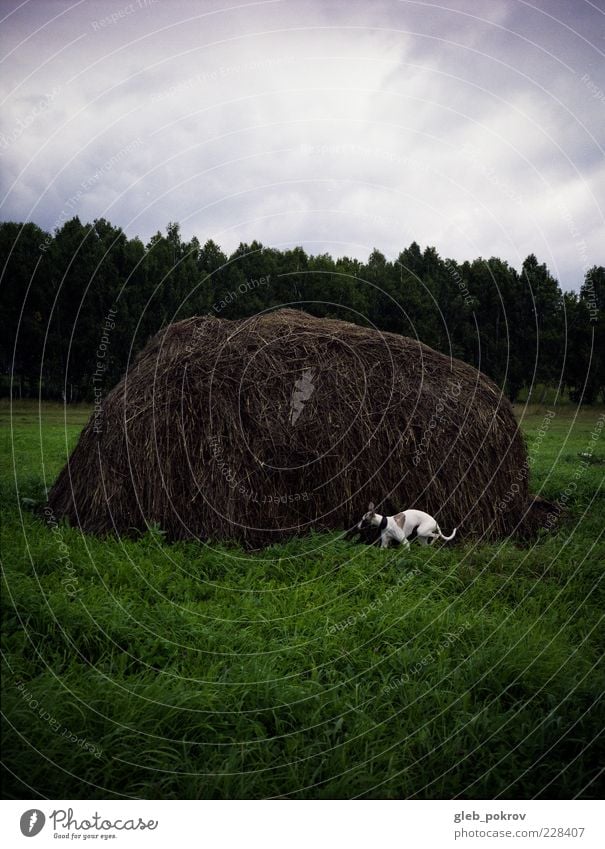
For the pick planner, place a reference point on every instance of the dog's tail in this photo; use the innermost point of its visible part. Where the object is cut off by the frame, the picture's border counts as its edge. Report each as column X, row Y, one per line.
column 451, row 536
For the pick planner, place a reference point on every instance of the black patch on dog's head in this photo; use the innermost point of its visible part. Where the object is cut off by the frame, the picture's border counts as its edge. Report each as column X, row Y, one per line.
column 369, row 534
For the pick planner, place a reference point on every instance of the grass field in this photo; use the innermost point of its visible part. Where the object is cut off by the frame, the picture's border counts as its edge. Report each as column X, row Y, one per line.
column 314, row 669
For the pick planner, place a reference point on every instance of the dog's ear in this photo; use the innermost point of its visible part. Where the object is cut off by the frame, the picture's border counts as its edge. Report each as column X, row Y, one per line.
column 371, row 507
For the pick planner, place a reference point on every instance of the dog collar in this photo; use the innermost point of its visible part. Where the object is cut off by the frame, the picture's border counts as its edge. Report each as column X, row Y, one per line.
column 383, row 523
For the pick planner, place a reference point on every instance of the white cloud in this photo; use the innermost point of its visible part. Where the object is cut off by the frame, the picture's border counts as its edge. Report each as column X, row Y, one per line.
column 337, row 126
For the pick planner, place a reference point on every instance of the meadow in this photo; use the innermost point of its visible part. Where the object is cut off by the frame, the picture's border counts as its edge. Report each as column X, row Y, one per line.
column 312, row 669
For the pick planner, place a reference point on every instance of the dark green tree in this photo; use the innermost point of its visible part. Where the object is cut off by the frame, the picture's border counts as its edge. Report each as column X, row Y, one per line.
column 26, row 299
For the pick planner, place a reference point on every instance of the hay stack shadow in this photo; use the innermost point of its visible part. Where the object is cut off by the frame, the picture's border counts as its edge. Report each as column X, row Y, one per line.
column 258, row 429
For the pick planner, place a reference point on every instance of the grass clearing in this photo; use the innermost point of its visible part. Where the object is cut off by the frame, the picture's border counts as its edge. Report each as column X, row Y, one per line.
column 313, row 669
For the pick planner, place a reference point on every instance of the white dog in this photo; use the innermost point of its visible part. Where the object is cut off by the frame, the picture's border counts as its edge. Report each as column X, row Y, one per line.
column 402, row 526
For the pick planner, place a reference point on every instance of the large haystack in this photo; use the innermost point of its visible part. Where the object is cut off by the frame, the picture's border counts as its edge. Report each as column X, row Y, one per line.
column 258, row 429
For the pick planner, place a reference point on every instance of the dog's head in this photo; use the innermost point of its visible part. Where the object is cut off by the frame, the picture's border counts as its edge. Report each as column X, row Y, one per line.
column 369, row 519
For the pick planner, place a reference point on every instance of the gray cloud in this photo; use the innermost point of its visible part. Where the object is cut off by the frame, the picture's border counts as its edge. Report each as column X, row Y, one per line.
column 339, row 126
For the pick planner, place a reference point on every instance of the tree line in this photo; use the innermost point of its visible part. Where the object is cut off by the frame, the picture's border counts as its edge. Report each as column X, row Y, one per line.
column 77, row 305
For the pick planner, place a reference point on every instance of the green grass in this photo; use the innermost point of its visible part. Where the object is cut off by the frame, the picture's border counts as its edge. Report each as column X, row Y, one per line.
column 314, row 669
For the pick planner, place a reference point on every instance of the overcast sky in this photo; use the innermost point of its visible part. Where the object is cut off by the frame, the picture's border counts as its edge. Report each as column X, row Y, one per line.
column 476, row 126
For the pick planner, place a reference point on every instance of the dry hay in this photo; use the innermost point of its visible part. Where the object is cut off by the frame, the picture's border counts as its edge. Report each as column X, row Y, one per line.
column 540, row 514
column 258, row 429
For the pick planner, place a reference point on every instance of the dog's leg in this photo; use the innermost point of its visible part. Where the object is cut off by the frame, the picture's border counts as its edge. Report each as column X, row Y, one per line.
column 430, row 538
column 428, row 530
column 399, row 537
column 384, row 542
